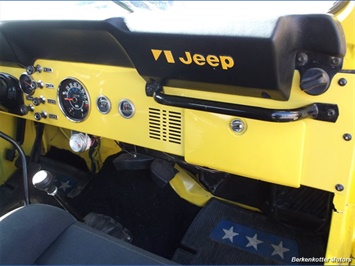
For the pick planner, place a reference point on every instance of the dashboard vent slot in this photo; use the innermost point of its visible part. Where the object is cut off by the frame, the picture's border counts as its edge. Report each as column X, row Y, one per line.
column 165, row 125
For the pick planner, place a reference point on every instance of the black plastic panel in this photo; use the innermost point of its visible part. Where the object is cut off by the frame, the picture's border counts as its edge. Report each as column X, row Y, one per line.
column 11, row 96
column 255, row 65
column 75, row 41
column 260, row 66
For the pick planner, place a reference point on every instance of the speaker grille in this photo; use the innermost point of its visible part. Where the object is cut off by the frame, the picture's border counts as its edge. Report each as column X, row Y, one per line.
column 165, row 125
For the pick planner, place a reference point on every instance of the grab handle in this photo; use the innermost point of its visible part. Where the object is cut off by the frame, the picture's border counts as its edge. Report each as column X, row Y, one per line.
column 318, row 111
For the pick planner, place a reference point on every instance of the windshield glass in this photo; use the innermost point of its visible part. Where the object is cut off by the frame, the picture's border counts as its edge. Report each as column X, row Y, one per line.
column 59, row 10
column 100, row 10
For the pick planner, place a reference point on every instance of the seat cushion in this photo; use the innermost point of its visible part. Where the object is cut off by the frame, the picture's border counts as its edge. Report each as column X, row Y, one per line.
column 27, row 232
column 43, row 234
column 81, row 244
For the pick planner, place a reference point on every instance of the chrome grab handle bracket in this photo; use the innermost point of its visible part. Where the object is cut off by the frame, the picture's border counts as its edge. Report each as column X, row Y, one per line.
column 319, row 111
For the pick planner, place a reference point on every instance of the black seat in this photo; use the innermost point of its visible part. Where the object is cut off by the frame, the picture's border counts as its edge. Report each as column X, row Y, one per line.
column 44, row 234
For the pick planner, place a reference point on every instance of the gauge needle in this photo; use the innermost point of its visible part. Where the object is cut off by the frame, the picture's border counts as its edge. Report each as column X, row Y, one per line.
column 68, row 99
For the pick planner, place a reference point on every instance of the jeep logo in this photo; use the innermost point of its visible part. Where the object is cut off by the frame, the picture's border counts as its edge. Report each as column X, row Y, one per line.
column 224, row 61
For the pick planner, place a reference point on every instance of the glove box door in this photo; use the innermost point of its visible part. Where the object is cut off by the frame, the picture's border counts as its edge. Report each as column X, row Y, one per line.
column 267, row 151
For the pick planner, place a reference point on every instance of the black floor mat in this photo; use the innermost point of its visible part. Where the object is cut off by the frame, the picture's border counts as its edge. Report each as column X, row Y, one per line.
column 157, row 217
column 226, row 234
column 69, row 180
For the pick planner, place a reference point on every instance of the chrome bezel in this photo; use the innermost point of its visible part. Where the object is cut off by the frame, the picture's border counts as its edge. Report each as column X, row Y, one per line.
column 132, row 107
column 32, row 80
column 60, row 103
column 108, row 102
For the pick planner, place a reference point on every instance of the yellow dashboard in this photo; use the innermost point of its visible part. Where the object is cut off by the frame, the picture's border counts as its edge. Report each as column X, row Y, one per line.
column 240, row 114
column 293, row 153
column 250, row 106
column 119, row 86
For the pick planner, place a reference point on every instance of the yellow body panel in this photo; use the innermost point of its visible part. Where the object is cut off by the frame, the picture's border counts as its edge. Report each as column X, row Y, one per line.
column 116, row 83
column 189, row 189
column 261, row 152
column 306, row 152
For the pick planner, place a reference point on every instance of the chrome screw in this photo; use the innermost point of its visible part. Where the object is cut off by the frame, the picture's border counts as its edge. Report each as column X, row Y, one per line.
column 339, row 187
column 342, row 82
column 347, row 137
column 237, row 125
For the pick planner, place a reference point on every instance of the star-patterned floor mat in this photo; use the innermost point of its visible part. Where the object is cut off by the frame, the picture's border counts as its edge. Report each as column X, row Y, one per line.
column 69, row 180
column 225, row 234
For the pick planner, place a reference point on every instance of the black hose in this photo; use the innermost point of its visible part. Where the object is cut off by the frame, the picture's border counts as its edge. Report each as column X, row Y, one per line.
column 36, row 148
column 24, row 165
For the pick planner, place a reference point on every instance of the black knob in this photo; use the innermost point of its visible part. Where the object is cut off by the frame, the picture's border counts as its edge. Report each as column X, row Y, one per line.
column 43, row 180
column 315, row 81
column 25, row 109
column 37, row 101
column 39, row 116
column 32, row 69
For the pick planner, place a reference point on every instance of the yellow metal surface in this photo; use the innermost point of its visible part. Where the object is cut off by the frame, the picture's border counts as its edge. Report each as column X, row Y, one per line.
column 341, row 240
column 307, row 152
column 263, row 152
column 116, row 83
column 187, row 188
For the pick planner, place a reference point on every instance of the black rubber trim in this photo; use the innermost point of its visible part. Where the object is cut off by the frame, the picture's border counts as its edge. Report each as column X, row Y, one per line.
column 318, row 111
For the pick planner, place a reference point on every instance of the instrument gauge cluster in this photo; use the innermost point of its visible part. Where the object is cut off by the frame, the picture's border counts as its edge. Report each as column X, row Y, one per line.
column 71, row 96
column 73, row 99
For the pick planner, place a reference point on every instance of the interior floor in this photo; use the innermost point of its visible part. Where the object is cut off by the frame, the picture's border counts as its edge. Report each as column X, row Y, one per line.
column 156, row 217
column 160, row 221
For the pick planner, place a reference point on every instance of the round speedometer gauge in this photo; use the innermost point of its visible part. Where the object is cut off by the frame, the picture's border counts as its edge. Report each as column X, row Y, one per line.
column 73, row 100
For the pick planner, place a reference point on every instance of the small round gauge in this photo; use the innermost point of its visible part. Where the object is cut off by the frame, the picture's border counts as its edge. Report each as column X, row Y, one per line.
column 27, row 84
column 103, row 104
column 126, row 108
column 79, row 142
column 73, row 100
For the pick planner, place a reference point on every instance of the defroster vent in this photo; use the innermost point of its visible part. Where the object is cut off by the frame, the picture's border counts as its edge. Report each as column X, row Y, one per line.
column 165, row 125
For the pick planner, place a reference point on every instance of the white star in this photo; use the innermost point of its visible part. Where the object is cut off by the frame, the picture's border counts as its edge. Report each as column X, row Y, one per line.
column 254, row 241
column 229, row 234
column 279, row 250
column 64, row 185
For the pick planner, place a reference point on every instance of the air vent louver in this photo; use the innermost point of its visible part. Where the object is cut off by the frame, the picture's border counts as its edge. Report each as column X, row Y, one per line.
column 165, row 125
